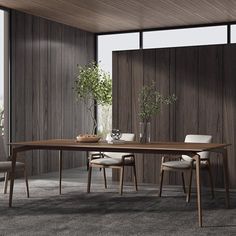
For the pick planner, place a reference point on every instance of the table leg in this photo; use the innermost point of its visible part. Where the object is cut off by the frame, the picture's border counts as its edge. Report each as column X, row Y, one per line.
column 226, row 176
column 12, row 176
column 60, row 170
column 198, row 180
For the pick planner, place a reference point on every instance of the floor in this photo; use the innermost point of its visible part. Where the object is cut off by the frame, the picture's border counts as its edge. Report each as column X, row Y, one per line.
column 105, row 212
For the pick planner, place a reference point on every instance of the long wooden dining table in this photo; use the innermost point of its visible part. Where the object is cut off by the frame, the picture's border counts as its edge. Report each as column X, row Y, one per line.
column 170, row 148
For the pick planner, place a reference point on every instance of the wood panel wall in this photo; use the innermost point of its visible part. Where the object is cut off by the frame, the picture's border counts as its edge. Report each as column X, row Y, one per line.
column 203, row 78
column 44, row 58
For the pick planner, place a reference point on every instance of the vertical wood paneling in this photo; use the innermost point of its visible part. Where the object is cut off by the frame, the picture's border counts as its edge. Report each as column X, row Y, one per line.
column 210, row 102
column 36, row 91
column 162, row 79
column 187, row 92
column 149, row 75
column 43, row 89
column 55, row 101
column 115, row 88
column 124, row 92
column 172, row 129
column 28, row 86
column 44, row 58
column 20, row 76
column 125, row 97
column 162, row 121
column 203, row 78
column 68, row 37
column 137, row 84
column 229, row 108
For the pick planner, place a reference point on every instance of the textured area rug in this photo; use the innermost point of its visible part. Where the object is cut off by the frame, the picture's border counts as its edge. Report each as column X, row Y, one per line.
column 104, row 212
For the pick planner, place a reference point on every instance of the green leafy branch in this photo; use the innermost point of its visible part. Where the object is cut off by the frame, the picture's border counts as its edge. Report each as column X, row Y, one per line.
column 150, row 102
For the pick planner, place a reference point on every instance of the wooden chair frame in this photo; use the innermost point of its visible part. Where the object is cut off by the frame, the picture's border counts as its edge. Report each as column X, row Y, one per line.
column 183, row 171
column 118, row 166
column 7, row 174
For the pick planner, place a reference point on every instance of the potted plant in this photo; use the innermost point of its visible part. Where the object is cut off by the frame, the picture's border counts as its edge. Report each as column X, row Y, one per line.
column 150, row 102
column 93, row 86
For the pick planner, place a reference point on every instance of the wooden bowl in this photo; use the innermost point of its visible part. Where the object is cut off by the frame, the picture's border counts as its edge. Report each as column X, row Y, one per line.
column 88, row 138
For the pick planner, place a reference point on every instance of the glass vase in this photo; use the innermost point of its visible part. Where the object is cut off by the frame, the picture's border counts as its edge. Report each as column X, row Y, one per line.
column 145, row 132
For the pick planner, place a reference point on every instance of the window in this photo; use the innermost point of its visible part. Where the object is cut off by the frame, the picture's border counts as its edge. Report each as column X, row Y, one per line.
column 4, row 74
column 1, row 70
column 107, row 44
column 233, row 33
column 185, row 37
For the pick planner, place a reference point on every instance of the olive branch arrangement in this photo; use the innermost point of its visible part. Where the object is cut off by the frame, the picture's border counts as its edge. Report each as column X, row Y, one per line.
column 150, row 102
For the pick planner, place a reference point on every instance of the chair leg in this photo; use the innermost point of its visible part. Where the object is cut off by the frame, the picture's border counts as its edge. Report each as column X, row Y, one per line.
column 121, row 179
column 89, row 179
column 190, row 186
column 105, row 178
column 26, row 182
column 60, row 170
column 161, row 181
column 211, row 179
column 6, row 182
column 87, row 154
column 135, row 178
column 87, row 165
column 182, row 174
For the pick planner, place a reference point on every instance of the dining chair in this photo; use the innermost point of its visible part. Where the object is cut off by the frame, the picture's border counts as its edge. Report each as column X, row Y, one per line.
column 6, row 165
column 114, row 160
column 186, row 164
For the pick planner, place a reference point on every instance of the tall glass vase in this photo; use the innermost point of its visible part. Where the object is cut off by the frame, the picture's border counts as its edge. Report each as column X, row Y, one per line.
column 145, row 132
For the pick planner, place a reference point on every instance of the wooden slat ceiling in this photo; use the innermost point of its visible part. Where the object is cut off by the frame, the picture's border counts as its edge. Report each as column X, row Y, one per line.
column 123, row 15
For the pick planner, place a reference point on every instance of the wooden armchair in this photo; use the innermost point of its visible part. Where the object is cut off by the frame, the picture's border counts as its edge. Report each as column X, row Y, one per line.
column 5, row 167
column 114, row 160
column 186, row 164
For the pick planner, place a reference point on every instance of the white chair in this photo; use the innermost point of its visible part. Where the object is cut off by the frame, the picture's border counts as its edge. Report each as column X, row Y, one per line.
column 114, row 160
column 5, row 167
column 187, row 164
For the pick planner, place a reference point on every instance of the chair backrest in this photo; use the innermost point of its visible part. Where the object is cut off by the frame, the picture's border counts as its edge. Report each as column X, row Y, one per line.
column 124, row 137
column 3, row 155
column 127, row 137
column 197, row 138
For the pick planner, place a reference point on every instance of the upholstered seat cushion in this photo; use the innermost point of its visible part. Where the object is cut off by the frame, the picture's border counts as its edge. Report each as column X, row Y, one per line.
column 6, row 165
column 183, row 164
column 177, row 164
column 111, row 161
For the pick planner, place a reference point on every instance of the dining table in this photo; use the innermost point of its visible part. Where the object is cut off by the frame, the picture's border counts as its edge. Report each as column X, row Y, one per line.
column 163, row 148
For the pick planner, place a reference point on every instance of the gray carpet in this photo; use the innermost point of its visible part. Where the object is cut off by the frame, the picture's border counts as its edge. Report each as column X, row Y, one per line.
column 104, row 212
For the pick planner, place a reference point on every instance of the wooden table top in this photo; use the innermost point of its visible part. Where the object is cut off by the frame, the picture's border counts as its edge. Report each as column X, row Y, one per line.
column 71, row 144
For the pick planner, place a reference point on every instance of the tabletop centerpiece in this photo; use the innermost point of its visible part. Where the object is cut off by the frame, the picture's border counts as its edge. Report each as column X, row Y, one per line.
column 93, row 86
column 150, row 102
